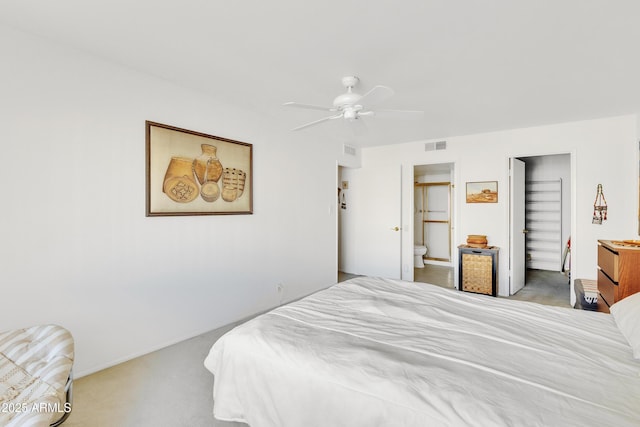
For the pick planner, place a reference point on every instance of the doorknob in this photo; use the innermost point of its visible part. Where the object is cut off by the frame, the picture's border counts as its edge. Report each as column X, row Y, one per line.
column 396, row 228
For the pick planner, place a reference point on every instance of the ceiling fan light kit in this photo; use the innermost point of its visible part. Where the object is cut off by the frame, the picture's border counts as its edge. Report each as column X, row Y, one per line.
column 351, row 106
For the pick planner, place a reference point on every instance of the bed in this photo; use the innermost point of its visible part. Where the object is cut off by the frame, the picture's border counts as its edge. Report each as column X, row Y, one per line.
column 380, row 352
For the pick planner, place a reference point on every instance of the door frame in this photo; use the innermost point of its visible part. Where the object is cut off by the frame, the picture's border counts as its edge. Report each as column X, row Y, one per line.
column 408, row 210
column 377, row 252
column 425, row 187
column 572, row 202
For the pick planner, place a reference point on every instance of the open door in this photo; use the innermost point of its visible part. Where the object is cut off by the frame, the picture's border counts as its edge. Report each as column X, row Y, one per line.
column 517, row 260
column 379, row 248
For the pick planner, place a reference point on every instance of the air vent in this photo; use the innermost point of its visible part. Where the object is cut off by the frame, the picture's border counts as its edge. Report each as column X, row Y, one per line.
column 348, row 149
column 438, row 145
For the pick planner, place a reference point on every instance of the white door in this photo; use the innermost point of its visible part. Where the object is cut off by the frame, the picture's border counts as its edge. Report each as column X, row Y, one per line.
column 379, row 249
column 517, row 259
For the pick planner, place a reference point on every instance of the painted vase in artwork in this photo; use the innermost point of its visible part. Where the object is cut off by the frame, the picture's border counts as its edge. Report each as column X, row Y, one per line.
column 207, row 166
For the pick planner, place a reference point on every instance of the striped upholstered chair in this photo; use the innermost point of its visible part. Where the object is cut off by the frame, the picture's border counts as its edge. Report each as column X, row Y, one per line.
column 36, row 376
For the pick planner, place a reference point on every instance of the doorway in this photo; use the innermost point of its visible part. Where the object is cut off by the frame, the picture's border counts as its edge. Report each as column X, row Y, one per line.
column 545, row 212
column 370, row 198
column 432, row 223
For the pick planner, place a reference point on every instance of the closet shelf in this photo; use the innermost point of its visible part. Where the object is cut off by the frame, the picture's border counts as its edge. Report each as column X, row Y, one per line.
column 543, row 212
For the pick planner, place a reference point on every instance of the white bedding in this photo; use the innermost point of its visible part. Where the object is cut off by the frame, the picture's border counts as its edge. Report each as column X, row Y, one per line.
column 375, row 352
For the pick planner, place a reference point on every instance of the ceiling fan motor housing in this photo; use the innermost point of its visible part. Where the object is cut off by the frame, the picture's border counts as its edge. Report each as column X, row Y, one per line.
column 348, row 99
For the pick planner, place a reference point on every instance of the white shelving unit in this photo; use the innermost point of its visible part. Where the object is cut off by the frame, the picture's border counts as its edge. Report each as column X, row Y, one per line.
column 543, row 214
column 434, row 214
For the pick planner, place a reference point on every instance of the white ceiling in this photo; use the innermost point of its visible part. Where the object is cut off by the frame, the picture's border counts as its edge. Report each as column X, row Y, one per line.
column 472, row 66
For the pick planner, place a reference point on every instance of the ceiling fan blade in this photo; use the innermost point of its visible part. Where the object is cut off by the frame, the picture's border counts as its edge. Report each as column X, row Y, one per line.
column 399, row 114
column 307, row 106
column 337, row 116
column 376, row 96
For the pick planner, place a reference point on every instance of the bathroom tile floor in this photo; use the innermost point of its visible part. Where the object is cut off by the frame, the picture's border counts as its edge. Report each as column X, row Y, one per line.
column 434, row 274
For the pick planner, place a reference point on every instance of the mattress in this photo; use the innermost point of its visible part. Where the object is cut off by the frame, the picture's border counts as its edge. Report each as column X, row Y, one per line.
column 378, row 352
column 35, row 364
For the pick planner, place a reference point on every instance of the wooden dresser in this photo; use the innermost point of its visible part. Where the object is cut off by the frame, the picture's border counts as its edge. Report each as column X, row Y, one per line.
column 618, row 270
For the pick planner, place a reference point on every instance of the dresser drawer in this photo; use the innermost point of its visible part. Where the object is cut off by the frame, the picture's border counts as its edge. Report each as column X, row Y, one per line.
column 608, row 289
column 608, row 262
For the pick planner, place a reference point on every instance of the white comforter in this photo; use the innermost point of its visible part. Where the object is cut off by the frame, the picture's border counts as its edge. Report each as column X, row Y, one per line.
column 373, row 352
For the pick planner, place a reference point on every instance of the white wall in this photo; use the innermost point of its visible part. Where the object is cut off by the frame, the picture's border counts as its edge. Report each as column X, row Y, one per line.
column 76, row 248
column 603, row 151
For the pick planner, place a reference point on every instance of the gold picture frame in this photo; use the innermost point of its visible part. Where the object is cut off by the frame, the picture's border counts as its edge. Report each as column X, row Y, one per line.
column 192, row 173
column 482, row 192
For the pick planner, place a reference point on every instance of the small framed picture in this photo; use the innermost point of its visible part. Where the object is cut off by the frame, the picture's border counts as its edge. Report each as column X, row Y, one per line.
column 482, row 192
column 192, row 173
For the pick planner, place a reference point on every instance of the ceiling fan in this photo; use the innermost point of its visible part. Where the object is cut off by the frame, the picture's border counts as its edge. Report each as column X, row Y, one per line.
column 351, row 106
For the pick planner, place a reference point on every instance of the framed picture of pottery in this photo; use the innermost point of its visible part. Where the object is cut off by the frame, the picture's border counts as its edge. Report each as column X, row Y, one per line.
column 482, row 192
column 192, row 173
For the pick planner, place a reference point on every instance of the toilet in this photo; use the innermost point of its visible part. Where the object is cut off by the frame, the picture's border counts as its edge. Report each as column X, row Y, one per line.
column 418, row 253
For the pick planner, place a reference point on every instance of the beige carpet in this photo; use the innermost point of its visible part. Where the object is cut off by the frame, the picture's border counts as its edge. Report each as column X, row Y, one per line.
column 167, row 388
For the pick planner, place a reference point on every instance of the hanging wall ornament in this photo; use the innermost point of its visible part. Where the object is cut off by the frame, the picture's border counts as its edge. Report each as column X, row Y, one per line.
column 599, row 207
